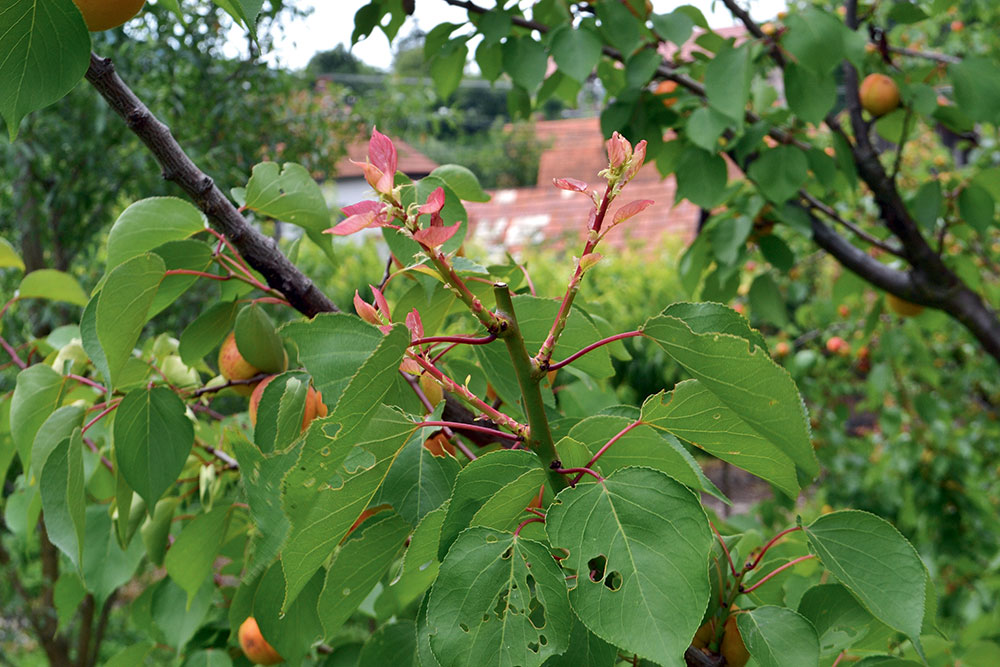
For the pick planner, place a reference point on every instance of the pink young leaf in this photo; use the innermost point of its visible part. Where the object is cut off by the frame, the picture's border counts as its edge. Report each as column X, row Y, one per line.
column 365, row 310
column 381, row 152
column 572, row 184
column 414, row 324
column 638, row 157
column 435, row 202
column 373, row 175
column 352, row 224
column 383, row 305
column 432, row 237
column 362, row 207
column 619, row 150
column 631, row 209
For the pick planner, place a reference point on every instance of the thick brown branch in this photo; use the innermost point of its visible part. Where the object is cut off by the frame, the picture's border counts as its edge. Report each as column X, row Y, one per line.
column 262, row 253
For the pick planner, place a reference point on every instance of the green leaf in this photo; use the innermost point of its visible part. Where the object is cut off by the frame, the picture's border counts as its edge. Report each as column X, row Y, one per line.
column 926, row 205
column 839, row 619
column 780, row 172
column 131, row 656
column 206, row 332
column 245, row 12
column 642, row 446
column 704, row 127
column 331, row 366
column 977, row 88
column 462, row 182
column 447, row 67
column 977, row 207
column 479, row 481
column 639, row 543
column 261, row 475
column 576, row 51
column 37, row 394
column 675, row 27
column 815, row 39
column 880, row 568
column 287, row 193
column 105, row 565
column 63, row 501
column 585, row 648
column 525, row 61
column 187, row 254
column 334, row 479
column 619, row 27
column 156, row 530
column 123, row 306
column 8, row 256
column 810, row 96
column 727, row 82
column 281, row 411
column 766, row 303
column 293, row 629
column 207, row 658
column 392, row 644
column 420, row 562
column 358, row 567
column 51, row 285
column 715, row 317
column 56, row 428
column 701, row 177
column 258, row 341
column 148, row 224
column 177, row 620
column 418, row 482
column 488, row 607
column 778, row 637
column 153, row 437
column 191, row 557
column 748, row 382
column 45, row 51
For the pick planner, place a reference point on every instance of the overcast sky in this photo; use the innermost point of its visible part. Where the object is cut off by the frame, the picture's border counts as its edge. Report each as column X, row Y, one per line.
column 332, row 23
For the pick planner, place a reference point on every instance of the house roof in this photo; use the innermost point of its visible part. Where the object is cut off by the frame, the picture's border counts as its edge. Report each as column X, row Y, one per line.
column 411, row 162
column 545, row 215
column 690, row 47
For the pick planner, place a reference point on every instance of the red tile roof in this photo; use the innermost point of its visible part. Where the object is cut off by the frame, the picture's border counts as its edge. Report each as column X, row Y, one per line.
column 544, row 215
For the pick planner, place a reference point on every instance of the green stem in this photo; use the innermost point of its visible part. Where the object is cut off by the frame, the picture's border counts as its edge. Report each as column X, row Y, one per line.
column 444, row 268
column 539, row 438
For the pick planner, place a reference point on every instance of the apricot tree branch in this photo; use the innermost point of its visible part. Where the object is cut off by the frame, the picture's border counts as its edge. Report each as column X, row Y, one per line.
column 261, row 252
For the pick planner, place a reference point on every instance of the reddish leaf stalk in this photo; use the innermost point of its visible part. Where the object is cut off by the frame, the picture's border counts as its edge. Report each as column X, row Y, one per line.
column 524, row 523
column 11, row 351
column 618, row 436
column 548, row 347
column 88, row 382
column 582, row 471
column 725, row 549
column 770, row 544
column 444, row 268
column 472, row 427
column 200, row 274
column 590, row 348
column 776, row 571
column 468, row 340
column 443, row 352
column 92, row 446
column 96, row 419
column 463, row 392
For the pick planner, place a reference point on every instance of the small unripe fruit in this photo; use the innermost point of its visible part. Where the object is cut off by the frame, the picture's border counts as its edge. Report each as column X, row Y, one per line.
column 957, row 26
column 903, row 307
column 843, row 310
column 107, row 14
column 837, row 345
column 315, row 407
column 782, row 349
column 254, row 646
column 879, row 94
column 233, row 366
column 768, row 29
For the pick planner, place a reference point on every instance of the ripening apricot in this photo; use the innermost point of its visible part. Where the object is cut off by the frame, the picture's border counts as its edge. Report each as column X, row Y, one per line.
column 233, row 366
column 732, row 648
column 769, row 29
column 957, row 26
column 107, row 14
column 315, row 407
column 666, row 88
column 439, row 445
column 903, row 307
column 254, row 646
column 879, row 94
column 782, row 349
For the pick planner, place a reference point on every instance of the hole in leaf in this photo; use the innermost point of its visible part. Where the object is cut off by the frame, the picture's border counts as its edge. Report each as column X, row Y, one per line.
column 533, row 647
column 325, row 451
column 596, row 567
column 486, row 618
column 464, row 627
column 490, row 539
column 543, row 640
column 507, row 553
column 500, row 608
column 613, row 581
column 537, row 615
